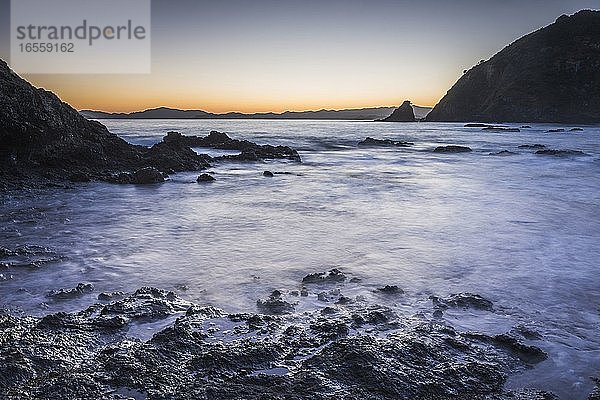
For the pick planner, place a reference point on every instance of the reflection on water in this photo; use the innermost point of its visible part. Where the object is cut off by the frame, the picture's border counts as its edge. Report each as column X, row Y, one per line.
column 521, row 230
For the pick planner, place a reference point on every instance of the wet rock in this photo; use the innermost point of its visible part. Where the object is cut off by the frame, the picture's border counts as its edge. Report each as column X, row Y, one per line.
column 275, row 304
column 333, row 276
column 477, row 125
column 463, row 300
column 109, row 296
column 79, row 176
column 390, row 289
column 595, row 395
column 560, row 153
column 268, row 174
column 527, row 332
column 249, row 151
column 205, row 178
column 147, row 176
column 371, row 142
column 66, row 294
column 525, row 127
column 353, row 352
column 575, row 130
column 555, row 130
column 536, row 146
column 452, row 149
column 527, row 354
column 503, row 153
column 500, row 129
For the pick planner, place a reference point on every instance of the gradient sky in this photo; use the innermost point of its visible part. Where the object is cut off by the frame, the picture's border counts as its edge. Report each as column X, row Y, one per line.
column 267, row 55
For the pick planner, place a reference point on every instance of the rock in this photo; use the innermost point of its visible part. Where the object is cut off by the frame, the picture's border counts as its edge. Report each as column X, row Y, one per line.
column 147, row 176
column 477, row 125
column 503, row 153
column 575, row 129
column 390, row 289
column 560, row 153
column 525, row 127
column 369, row 141
column 268, row 174
column 452, row 149
column 44, row 141
column 463, row 300
column 66, row 294
column 205, row 178
column 595, row 395
column 249, row 151
column 558, row 63
column 333, row 276
column 555, row 130
column 354, row 352
column 532, row 146
column 404, row 113
column 275, row 304
column 500, row 129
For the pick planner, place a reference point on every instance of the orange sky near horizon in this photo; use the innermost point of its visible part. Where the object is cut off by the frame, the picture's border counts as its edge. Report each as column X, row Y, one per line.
column 279, row 55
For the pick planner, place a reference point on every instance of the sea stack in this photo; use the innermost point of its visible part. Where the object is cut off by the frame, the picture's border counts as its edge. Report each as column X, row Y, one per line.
column 404, row 113
column 550, row 75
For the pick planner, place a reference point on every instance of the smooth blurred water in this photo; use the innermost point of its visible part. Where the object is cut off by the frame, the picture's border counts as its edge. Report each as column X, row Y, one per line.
column 521, row 230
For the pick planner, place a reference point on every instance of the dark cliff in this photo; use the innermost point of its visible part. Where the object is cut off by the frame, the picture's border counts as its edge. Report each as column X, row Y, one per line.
column 550, row 75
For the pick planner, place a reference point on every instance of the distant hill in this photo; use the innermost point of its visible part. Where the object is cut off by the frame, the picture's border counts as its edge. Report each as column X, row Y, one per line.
column 172, row 113
column 550, row 75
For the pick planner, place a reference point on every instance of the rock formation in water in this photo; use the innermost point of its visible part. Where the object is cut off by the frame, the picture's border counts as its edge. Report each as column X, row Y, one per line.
column 404, row 113
column 44, row 141
column 551, row 75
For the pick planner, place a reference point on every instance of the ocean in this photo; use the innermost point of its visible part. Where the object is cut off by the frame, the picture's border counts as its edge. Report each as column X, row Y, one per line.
column 520, row 229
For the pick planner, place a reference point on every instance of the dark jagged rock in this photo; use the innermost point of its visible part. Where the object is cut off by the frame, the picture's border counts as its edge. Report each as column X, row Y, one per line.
column 452, row 149
column 536, row 146
column 404, row 113
column 575, row 129
column 500, row 129
column 268, row 174
column 275, row 304
column 371, row 142
column 390, row 289
column 333, row 276
column 65, row 294
column 147, row 175
column 205, row 178
column 44, row 141
column 249, row 151
column 560, row 153
column 550, row 75
column 352, row 352
column 463, row 300
column 525, row 127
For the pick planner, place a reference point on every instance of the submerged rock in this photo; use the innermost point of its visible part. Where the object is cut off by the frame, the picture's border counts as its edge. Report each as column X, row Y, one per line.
column 536, row 146
column 503, row 153
column 205, row 178
column 558, row 130
column 500, row 129
column 369, row 141
column 65, row 294
column 452, row 149
column 477, row 125
column 390, row 289
column 560, row 153
column 463, row 300
column 333, row 276
column 268, row 174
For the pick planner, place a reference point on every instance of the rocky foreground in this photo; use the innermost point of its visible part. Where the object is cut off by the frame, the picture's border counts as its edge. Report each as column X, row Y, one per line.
column 345, row 349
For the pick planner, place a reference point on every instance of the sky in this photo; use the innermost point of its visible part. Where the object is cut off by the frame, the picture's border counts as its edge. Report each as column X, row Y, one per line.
column 267, row 55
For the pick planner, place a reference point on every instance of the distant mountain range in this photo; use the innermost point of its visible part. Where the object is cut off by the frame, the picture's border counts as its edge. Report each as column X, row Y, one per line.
column 173, row 113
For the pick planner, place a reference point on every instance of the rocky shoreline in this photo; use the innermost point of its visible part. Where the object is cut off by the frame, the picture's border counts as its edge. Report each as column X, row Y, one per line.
column 345, row 348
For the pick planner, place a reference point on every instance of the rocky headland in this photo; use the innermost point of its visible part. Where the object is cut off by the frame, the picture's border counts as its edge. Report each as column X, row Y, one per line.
column 550, row 75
